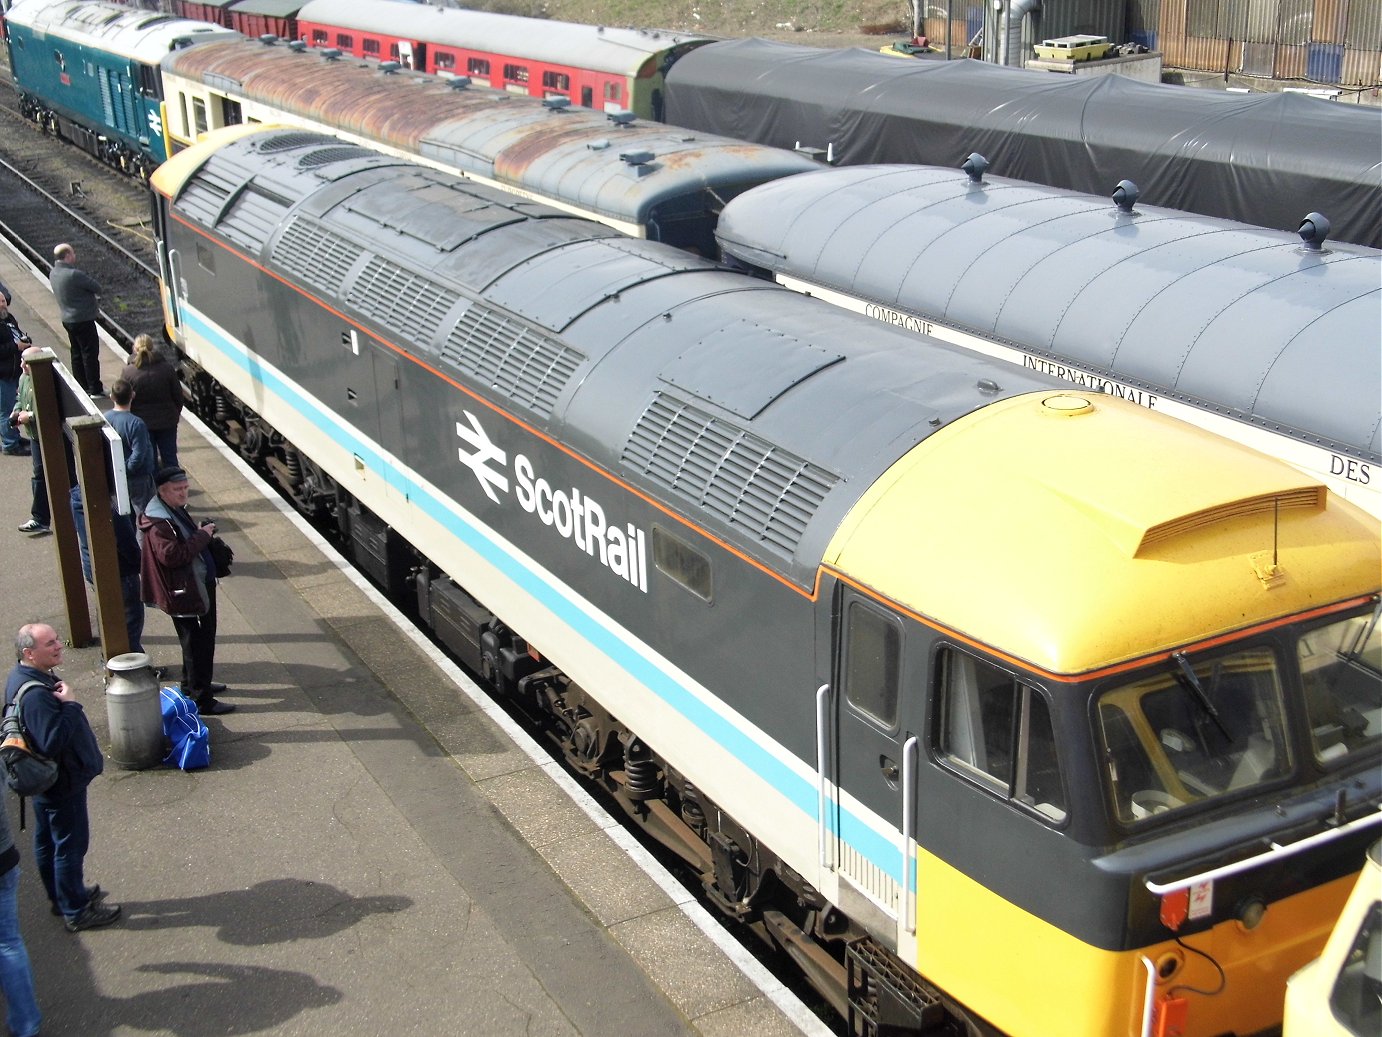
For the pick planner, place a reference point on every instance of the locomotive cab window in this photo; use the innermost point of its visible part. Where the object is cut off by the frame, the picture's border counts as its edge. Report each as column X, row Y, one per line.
column 150, row 85
column 872, row 661
column 997, row 731
column 1197, row 729
column 1341, row 671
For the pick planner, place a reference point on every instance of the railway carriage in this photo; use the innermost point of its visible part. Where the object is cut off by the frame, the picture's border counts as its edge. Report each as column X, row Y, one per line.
column 979, row 696
column 89, row 73
column 1266, row 337
column 645, row 179
column 595, row 66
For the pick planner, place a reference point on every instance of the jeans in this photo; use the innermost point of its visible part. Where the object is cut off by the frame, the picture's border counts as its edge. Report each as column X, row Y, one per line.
column 62, row 834
column 165, row 442
column 16, row 977
column 9, row 392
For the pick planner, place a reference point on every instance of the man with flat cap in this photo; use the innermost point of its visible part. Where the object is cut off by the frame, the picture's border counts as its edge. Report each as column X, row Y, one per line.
column 178, row 575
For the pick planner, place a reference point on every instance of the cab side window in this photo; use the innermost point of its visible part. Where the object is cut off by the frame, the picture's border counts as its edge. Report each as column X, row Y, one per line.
column 873, row 642
column 997, row 731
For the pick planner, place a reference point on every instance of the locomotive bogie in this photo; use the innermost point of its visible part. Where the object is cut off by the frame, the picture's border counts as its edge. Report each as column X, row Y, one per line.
column 824, row 659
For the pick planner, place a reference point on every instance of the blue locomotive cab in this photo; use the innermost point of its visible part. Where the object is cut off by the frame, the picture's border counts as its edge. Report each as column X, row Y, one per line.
column 89, row 73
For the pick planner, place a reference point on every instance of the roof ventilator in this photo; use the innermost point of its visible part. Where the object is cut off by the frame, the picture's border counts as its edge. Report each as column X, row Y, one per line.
column 556, row 102
column 1314, row 229
column 1125, row 195
column 269, row 39
column 297, row 46
column 389, row 67
column 458, row 82
column 639, row 161
column 975, row 167
column 622, row 117
column 331, row 54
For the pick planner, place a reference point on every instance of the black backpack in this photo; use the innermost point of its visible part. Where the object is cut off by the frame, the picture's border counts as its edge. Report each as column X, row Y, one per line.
column 26, row 772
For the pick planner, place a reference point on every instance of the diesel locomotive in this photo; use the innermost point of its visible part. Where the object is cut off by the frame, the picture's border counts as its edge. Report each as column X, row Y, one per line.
column 990, row 702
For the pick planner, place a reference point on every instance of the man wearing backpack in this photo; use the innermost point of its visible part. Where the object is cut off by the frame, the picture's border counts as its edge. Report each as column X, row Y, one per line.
column 57, row 727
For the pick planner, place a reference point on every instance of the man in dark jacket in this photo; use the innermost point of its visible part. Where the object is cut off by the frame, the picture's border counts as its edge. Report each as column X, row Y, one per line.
column 58, row 729
column 179, row 576
column 78, row 296
column 13, row 341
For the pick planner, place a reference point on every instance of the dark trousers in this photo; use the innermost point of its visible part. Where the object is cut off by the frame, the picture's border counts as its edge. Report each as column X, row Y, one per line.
column 62, row 834
column 165, row 441
column 39, row 510
column 86, row 354
column 197, row 635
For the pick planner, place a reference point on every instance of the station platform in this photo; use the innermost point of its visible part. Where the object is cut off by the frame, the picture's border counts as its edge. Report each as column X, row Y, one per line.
column 374, row 848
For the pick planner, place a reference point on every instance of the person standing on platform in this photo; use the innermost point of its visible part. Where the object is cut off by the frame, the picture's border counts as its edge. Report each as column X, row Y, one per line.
column 179, row 577
column 127, row 558
column 139, row 448
column 58, row 728
column 157, row 397
column 13, row 341
column 22, row 418
column 22, row 1015
column 78, row 296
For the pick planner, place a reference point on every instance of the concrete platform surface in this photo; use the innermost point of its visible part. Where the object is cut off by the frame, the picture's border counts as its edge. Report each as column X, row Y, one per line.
column 370, row 851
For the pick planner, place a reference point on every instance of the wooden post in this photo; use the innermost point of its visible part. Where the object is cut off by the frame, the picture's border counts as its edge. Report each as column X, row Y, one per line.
column 57, row 478
column 90, row 436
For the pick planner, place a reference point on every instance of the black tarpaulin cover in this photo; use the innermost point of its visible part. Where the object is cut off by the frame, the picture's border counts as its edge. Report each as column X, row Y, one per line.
column 1267, row 159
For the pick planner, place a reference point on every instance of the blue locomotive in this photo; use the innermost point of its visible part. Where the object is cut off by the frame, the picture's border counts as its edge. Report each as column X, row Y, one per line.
column 90, row 74
column 984, row 698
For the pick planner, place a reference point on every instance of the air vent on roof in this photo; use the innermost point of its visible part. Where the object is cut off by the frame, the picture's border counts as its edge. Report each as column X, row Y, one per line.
column 975, row 167
column 335, row 153
column 407, row 303
column 556, row 102
column 389, row 67
column 268, row 39
column 289, row 140
column 512, row 358
column 252, row 217
column 297, row 46
column 458, row 82
column 1314, row 230
column 331, row 54
column 319, row 258
column 204, row 195
column 1306, row 498
column 758, row 488
column 1125, row 195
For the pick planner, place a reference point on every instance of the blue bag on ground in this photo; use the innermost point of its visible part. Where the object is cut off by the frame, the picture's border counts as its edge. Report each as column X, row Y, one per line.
column 183, row 727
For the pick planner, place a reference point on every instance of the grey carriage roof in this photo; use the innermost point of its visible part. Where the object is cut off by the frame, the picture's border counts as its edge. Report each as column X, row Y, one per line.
column 573, row 154
column 1222, row 314
column 1266, row 158
column 602, row 48
column 759, row 413
column 144, row 36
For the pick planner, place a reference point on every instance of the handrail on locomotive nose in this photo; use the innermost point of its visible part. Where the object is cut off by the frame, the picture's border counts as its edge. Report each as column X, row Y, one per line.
column 1275, row 853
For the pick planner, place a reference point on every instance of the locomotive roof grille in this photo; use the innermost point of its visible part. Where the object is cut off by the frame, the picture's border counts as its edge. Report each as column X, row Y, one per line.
column 1310, row 498
column 758, row 488
column 251, row 217
column 407, row 303
column 338, row 153
column 320, row 258
column 288, row 141
column 511, row 358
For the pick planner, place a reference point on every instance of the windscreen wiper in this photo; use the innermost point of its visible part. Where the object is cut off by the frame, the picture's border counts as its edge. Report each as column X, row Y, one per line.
column 1355, row 652
column 1192, row 684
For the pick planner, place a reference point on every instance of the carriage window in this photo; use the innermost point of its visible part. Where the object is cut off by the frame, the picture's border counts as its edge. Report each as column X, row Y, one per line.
column 997, row 731
column 345, row 41
column 872, row 664
column 371, row 48
column 556, row 81
column 199, row 116
column 682, row 562
column 611, row 91
column 444, row 59
column 476, row 67
column 1170, row 739
column 516, row 73
column 1341, row 670
column 319, row 37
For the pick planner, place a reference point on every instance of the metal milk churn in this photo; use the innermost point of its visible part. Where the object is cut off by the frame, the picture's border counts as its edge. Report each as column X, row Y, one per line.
column 134, row 711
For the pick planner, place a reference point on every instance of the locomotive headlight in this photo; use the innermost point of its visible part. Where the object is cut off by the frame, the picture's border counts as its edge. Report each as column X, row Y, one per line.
column 1251, row 912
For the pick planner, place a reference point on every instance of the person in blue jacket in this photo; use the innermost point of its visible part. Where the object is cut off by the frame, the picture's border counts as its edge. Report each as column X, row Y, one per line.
column 58, row 729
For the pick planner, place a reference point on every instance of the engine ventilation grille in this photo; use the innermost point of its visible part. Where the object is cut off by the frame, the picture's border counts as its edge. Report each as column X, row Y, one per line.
column 202, row 198
column 319, row 258
column 514, row 359
column 252, row 218
column 406, row 303
column 1311, row 498
column 327, row 156
column 763, row 490
column 289, row 140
